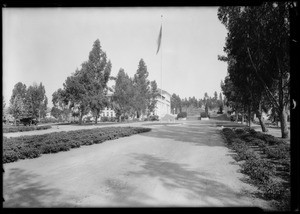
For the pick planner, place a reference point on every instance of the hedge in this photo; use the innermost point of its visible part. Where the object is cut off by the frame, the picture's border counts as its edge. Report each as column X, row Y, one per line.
column 24, row 128
column 262, row 169
column 33, row 146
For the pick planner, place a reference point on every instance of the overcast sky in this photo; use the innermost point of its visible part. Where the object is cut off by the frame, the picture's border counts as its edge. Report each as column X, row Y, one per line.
column 48, row 44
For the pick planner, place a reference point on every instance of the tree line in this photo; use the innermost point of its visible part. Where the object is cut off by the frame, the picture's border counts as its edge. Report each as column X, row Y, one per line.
column 27, row 102
column 257, row 53
column 86, row 90
column 179, row 105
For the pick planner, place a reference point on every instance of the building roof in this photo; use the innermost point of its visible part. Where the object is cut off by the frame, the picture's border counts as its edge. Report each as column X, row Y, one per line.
column 163, row 92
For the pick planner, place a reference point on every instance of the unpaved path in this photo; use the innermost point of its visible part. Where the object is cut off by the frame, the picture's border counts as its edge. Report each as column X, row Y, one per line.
column 181, row 165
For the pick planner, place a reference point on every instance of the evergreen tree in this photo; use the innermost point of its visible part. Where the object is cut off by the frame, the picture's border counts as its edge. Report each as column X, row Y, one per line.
column 141, row 88
column 123, row 95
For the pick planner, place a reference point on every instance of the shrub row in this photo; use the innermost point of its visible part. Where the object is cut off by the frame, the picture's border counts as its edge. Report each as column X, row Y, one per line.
column 262, row 170
column 24, row 128
column 33, row 146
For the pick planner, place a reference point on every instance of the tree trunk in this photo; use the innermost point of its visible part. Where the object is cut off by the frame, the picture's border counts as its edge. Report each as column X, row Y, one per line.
column 96, row 119
column 283, row 123
column 243, row 117
column 249, row 116
column 259, row 116
column 261, row 122
column 80, row 118
column 236, row 116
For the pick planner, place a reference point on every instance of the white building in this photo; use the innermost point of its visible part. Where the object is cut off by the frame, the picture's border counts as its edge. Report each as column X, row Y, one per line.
column 163, row 105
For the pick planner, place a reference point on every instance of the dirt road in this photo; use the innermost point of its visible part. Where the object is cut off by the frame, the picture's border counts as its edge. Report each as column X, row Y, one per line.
column 179, row 165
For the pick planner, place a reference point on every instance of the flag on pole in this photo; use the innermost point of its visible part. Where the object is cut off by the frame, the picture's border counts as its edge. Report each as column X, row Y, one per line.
column 159, row 39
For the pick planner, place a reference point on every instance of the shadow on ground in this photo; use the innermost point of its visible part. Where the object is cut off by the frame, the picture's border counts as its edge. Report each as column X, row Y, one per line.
column 125, row 195
column 21, row 190
column 196, row 185
column 199, row 135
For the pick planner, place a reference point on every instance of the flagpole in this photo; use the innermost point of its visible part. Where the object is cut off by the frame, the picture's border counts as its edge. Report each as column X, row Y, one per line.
column 161, row 55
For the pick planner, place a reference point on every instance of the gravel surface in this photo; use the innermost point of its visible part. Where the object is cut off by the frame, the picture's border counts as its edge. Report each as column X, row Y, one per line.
column 179, row 165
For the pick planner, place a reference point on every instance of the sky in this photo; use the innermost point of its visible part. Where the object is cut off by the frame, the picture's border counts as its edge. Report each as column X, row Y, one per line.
column 48, row 44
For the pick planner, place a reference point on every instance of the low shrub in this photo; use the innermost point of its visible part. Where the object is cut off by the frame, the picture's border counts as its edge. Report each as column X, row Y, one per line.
column 240, row 131
column 271, row 140
column 49, row 120
column 24, row 128
column 259, row 170
column 278, row 152
column 273, row 190
column 181, row 115
column 245, row 154
column 262, row 171
column 33, row 146
column 104, row 119
column 258, row 142
column 153, row 118
column 10, row 156
column 204, row 114
column 229, row 134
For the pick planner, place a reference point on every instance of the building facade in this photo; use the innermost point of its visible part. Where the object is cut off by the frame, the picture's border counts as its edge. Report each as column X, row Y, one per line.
column 163, row 105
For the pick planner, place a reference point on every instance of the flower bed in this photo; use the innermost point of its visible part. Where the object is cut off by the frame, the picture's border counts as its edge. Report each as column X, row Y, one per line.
column 9, row 129
column 25, row 147
column 265, row 164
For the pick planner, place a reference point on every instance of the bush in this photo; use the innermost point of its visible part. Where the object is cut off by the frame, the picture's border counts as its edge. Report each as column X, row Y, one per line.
column 153, row 118
column 240, row 131
column 24, row 128
column 204, row 114
column 273, row 190
column 279, row 152
column 10, row 156
column 49, row 120
column 181, row 115
column 32, row 146
column 229, row 134
column 104, row 119
column 258, row 142
column 271, row 140
column 259, row 170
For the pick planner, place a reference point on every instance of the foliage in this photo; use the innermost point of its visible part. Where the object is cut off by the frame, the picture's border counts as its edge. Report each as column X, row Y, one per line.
column 176, row 103
column 17, row 107
column 19, row 90
column 204, row 114
column 86, row 89
column 123, row 95
column 36, row 101
column 257, row 49
column 152, row 118
column 8, row 129
column 141, row 88
column 153, row 97
column 260, row 169
column 181, row 115
column 33, row 146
